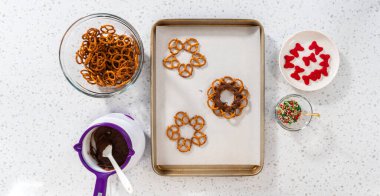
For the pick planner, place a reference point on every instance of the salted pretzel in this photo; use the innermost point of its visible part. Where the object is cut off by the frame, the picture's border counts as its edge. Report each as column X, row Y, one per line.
column 109, row 59
column 199, row 138
column 197, row 122
column 185, row 70
column 175, row 46
column 171, row 62
column 174, row 131
column 183, row 144
column 181, row 118
column 191, row 45
column 198, row 60
column 222, row 109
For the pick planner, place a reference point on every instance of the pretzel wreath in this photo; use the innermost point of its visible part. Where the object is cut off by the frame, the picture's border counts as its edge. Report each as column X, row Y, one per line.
column 191, row 45
column 109, row 59
column 174, row 132
column 222, row 109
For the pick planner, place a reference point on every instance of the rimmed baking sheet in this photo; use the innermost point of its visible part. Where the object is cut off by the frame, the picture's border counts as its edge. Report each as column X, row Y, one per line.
column 234, row 48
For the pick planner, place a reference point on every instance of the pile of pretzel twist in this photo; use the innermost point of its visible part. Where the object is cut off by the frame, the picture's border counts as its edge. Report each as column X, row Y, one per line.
column 191, row 45
column 109, row 59
column 174, row 131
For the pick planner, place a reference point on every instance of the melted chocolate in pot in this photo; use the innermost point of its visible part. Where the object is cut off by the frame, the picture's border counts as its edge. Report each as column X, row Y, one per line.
column 100, row 139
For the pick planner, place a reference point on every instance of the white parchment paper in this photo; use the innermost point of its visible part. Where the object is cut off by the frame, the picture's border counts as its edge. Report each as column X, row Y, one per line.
column 232, row 51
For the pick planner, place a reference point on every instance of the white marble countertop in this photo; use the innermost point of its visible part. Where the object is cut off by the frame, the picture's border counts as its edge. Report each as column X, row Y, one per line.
column 42, row 116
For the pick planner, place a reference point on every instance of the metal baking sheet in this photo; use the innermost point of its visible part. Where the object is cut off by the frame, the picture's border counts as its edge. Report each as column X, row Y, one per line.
column 233, row 47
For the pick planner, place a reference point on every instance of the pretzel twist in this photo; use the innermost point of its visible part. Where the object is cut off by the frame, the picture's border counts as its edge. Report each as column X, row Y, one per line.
column 173, row 132
column 171, row 62
column 199, row 138
column 191, row 45
column 175, row 46
column 198, row 60
column 185, row 70
column 184, row 144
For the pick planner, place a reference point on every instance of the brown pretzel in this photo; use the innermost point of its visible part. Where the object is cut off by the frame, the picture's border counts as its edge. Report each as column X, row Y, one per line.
column 181, row 118
column 198, row 60
column 175, row 45
column 185, row 70
column 220, row 108
column 170, row 62
column 191, row 45
column 199, row 138
column 107, row 29
column 183, row 144
column 173, row 132
column 197, row 122
column 109, row 59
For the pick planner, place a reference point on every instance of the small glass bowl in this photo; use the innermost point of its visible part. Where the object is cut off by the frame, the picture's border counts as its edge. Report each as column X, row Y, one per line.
column 71, row 42
column 304, row 120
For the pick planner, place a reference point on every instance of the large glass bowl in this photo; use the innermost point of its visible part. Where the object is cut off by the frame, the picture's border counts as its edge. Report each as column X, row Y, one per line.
column 71, row 42
column 304, row 120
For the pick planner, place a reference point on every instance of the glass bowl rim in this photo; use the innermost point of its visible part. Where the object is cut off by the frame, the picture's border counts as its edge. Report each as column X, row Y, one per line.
column 125, row 24
column 286, row 97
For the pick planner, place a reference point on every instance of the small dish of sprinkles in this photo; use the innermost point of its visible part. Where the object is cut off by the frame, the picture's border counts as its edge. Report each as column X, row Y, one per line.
column 294, row 112
column 288, row 112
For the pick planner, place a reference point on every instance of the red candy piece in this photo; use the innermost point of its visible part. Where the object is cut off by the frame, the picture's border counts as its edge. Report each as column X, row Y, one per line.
column 309, row 58
column 295, row 50
column 288, row 60
column 288, row 65
column 299, row 69
column 295, row 75
column 315, row 75
column 324, row 71
column 296, row 72
column 306, row 80
column 314, row 46
column 325, row 58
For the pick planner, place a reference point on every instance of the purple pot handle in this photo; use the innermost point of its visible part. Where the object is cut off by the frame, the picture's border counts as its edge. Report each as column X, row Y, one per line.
column 101, row 185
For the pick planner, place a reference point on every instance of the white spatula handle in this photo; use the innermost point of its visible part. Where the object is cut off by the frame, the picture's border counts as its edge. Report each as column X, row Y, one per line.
column 123, row 179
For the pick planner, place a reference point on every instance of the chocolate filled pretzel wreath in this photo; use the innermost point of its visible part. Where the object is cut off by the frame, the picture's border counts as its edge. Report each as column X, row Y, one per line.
column 220, row 108
column 174, row 131
column 191, row 45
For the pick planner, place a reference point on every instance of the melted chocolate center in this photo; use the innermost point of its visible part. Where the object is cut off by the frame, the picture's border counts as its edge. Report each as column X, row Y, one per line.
column 100, row 139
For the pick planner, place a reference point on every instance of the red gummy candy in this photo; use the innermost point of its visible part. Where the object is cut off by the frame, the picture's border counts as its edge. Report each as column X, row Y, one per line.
column 295, row 75
column 288, row 60
column 296, row 72
column 325, row 62
column 288, row 65
column 309, row 58
column 325, row 57
column 295, row 50
column 313, row 76
column 314, row 46
column 306, row 80
column 298, row 69
column 324, row 71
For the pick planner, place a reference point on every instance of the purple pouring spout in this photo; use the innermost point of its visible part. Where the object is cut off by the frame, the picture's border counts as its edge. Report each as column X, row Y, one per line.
column 78, row 147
